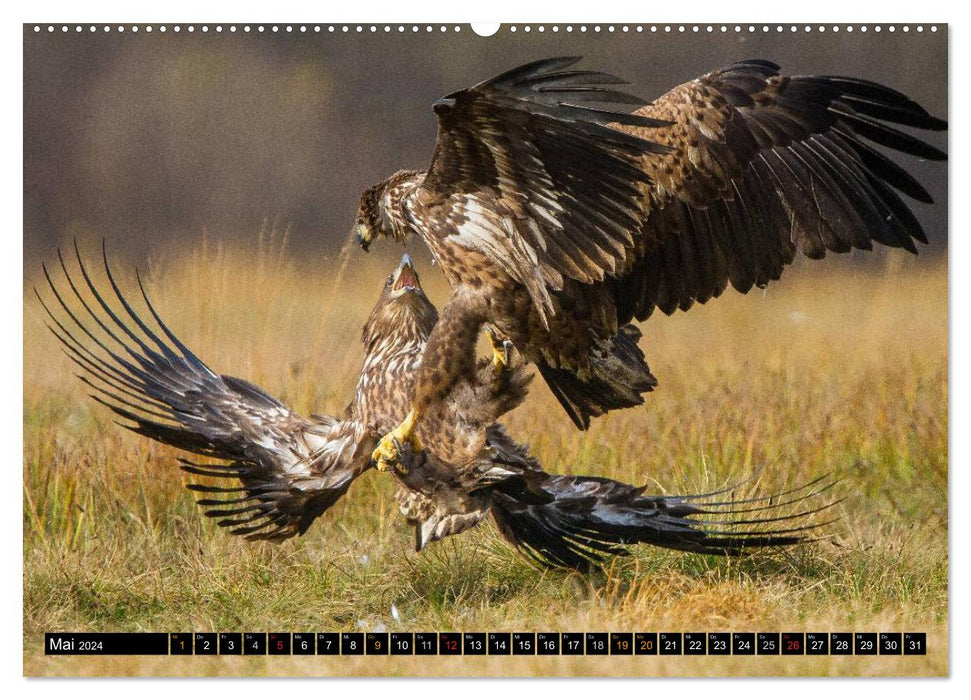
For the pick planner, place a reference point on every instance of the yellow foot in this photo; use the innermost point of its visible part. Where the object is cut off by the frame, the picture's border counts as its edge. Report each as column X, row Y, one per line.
column 387, row 454
column 501, row 350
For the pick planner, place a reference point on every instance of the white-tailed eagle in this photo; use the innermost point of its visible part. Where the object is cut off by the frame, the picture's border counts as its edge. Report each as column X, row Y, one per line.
column 558, row 219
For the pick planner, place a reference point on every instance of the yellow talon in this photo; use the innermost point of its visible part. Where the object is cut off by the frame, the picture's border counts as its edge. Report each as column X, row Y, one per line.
column 386, row 455
column 501, row 350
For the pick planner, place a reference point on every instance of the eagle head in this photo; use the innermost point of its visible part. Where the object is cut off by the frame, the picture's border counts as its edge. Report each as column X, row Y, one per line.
column 404, row 279
column 381, row 210
column 402, row 311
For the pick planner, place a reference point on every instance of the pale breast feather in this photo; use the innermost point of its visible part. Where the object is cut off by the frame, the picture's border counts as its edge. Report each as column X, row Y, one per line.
column 516, row 245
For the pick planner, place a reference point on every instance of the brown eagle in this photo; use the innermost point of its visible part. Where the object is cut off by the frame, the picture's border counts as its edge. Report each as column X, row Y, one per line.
column 288, row 470
column 558, row 220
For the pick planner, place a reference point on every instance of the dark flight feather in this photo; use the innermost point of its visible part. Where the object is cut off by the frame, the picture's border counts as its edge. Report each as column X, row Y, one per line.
column 591, row 518
column 806, row 173
column 527, row 137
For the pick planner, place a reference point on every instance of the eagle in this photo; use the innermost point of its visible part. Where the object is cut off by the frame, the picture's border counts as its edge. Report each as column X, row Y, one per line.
column 271, row 473
column 559, row 218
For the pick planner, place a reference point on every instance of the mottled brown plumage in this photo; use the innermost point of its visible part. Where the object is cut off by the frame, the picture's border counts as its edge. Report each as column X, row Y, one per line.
column 287, row 470
column 471, row 467
column 559, row 224
column 438, row 499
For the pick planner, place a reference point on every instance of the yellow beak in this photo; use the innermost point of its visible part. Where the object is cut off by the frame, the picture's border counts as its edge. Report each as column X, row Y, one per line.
column 363, row 235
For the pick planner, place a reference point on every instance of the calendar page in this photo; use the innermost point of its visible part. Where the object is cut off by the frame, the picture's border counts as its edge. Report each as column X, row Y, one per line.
column 442, row 350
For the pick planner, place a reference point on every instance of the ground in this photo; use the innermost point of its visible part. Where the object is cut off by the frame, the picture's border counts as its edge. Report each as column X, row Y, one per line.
column 836, row 369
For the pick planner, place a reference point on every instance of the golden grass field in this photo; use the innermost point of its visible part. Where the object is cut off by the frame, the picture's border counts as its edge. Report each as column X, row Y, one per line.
column 834, row 369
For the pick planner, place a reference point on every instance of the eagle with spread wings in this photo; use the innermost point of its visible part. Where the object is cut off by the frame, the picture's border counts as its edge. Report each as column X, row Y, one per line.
column 271, row 473
column 559, row 218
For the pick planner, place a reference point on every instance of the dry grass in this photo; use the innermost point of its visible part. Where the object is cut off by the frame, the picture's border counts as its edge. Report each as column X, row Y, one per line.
column 832, row 370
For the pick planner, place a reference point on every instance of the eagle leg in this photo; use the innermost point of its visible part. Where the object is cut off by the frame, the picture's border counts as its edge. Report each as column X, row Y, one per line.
column 386, row 454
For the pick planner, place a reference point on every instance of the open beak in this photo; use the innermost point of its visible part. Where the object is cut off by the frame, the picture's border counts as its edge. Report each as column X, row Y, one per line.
column 405, row 277
column 363, row 235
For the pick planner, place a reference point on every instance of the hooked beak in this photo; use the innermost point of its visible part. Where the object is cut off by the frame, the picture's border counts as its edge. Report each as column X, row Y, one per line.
column 363, row 236
column 405, row 277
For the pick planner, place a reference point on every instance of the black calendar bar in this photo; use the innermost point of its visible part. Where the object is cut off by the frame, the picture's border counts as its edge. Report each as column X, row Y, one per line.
column 645, row 643
column 384, row 644
column 695, row 643
column 426, row 643
column 548, row 643
column 403, row 643
column 279, row 644
column 719, row 643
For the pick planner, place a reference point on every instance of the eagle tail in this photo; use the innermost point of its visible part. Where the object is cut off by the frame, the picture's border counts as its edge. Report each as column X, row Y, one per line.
column 618, row 376
column 592, row 518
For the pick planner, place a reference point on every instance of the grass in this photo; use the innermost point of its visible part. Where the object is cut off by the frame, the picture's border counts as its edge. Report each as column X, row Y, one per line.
column 834, row 369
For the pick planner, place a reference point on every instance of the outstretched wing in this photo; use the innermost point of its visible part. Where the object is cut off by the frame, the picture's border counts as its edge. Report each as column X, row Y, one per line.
column 590, row 518
column 527, row 171
column 760, row 165
column 289, row 470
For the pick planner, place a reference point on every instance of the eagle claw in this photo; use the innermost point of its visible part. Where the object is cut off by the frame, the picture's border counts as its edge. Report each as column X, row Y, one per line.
column 400, row 466
column 401, row 440
column 501, row 350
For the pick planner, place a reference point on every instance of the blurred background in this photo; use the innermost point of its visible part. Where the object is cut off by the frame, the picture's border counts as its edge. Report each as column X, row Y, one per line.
column 151, row 139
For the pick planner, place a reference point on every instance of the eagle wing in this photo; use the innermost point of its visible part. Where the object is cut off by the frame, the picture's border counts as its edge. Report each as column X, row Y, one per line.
column 589, row 518
column 760, row 165
column 528, row 172
column 289, row 470
column 721, row 179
